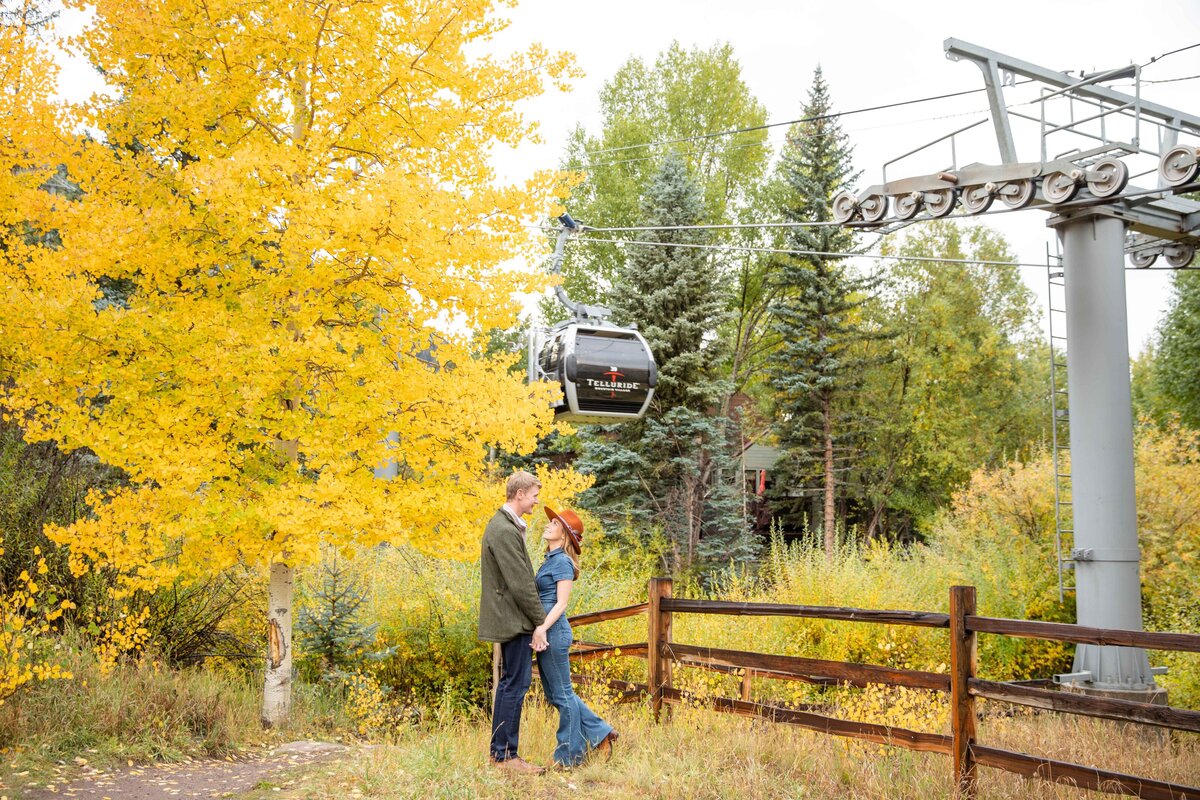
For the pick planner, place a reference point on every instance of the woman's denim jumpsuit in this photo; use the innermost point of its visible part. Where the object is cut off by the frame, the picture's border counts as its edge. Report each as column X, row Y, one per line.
column 579, row 729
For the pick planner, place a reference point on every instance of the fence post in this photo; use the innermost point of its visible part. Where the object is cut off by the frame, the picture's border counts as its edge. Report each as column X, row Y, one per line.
column 658, row 666
column 963, row 663
column 496, row 656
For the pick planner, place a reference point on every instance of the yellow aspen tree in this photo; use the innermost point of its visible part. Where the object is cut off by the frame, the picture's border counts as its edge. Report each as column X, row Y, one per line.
column 283, row 245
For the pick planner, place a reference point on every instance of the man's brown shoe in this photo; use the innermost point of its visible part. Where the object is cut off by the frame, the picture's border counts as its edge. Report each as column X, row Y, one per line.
column 519, row 766
column 606, row 745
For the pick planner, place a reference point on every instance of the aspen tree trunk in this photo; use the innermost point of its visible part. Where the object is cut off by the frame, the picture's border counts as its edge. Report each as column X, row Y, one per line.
column 277, row 687
column 695, row 493
column 691, row 504
column 277, row 684
column 830, row 518
column 703, row 488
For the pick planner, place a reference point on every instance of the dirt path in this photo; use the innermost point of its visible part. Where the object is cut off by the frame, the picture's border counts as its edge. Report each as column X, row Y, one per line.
column 190, row 779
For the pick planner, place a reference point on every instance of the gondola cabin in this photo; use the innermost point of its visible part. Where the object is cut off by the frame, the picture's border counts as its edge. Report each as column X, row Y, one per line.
column 607, row 373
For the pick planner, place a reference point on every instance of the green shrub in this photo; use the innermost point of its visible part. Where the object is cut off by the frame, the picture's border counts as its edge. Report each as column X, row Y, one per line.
column 190, row 622
column 1182, row 679
column 40, row 485
column 427, row 610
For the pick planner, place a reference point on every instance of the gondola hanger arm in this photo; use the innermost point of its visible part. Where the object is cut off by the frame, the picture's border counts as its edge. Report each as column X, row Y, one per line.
column 582, row 311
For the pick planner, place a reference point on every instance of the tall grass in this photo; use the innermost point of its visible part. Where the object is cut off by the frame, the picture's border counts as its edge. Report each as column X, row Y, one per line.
column 873, row 576
column 428, row 610
column 698, row 754
column 141, row 710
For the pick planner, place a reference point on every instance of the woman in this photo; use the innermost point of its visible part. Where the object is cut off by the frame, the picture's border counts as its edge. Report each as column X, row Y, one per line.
column 579, row 729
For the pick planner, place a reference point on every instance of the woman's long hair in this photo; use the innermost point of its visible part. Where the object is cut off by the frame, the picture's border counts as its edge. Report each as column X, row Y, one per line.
column 572, row 552
column 568, row 547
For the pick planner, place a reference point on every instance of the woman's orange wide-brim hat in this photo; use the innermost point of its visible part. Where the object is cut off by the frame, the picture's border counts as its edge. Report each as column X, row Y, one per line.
column 571, row 522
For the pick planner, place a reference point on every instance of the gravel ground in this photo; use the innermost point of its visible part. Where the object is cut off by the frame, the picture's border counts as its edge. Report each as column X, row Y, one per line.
column 197, row 778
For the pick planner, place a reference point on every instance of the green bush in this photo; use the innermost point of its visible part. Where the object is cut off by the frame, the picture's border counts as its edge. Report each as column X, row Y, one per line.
column 1182, row 679
column 191, row 622
column 427, row 610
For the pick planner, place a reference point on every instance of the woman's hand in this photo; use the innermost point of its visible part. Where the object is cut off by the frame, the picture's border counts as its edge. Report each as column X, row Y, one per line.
column 539, row 642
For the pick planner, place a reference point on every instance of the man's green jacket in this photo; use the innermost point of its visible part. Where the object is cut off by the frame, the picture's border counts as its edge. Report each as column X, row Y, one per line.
column 508, row 603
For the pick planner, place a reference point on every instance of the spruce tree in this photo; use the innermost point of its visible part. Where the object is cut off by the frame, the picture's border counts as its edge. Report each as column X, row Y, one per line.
column 674, row 470
column 671, row 291
column 330, row 623
column 817, row 367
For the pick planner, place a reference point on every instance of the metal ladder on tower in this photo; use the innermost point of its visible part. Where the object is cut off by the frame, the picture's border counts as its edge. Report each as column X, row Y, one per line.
column 1060, row 427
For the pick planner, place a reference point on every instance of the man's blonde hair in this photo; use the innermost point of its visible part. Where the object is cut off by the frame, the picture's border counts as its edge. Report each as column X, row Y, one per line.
column 519, row 481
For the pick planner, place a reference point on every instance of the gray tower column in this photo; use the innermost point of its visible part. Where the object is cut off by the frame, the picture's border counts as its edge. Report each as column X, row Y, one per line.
column 1108, row 590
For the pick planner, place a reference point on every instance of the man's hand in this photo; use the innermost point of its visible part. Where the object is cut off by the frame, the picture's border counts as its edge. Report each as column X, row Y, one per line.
column 539, row 642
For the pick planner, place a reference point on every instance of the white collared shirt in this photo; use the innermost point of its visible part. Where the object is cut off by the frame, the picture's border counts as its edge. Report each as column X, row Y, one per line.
column 515, row 517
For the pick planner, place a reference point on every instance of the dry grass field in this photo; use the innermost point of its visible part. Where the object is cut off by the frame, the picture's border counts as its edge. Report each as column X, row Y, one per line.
column 699, row 754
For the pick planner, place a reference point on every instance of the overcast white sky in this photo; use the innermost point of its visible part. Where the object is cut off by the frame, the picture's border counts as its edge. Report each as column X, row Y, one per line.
column 874, row 53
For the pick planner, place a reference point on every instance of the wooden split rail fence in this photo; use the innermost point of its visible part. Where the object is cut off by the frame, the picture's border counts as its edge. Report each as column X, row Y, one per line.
column 661, row 652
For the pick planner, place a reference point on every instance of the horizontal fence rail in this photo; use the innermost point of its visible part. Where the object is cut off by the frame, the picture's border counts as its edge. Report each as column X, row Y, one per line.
column 662, row 653
column 1104, row 708
column 595, row 651
column 921, row 619
column 801, row 668
column 1079, row 634
column 881, row 734
column 749, row 674
column 627, row 691
column 1086, row 777
column 604, row 616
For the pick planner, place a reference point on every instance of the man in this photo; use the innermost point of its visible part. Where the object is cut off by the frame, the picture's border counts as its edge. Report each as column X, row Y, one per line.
column 509, row 613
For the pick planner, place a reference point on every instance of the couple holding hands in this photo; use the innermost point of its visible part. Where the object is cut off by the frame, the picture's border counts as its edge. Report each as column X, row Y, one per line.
column 526, row 615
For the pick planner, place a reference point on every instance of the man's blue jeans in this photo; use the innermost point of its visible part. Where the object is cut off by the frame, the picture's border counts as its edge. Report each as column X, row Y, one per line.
column 579, row 729
column 516, row 672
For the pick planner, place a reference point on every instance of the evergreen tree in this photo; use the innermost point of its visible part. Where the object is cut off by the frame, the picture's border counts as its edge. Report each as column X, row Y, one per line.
column 817, row 367
column 671, row 291
column 331, row 625
column 674, row 470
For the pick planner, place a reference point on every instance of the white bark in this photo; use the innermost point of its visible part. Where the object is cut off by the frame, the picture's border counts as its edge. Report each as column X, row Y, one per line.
column 277, row 688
